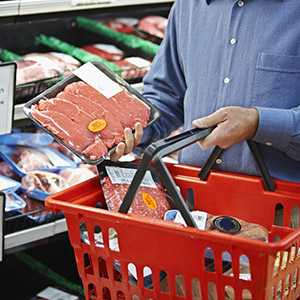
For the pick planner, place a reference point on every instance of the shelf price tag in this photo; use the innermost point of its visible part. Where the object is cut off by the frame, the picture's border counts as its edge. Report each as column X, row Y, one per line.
column 2, row 207
column 7, row 95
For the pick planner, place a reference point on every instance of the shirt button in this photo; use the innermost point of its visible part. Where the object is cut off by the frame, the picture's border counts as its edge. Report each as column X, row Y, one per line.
column 233, row 41
column 226, row 80
column 241, row 3
column 219, row 161
column 268, row 143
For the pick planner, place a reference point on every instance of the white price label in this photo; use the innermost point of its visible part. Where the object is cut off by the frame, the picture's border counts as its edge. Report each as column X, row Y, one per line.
column 91, row 75
column 2, row 206
column 51, row 293
column 125, row 175
column 7, row 88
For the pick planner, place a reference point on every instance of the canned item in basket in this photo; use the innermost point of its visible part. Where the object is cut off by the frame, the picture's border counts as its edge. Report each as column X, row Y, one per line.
column 227, row 224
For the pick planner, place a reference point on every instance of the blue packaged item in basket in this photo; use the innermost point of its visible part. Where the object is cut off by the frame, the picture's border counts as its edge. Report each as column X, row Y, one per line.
column 25, row 159
column 26, row 138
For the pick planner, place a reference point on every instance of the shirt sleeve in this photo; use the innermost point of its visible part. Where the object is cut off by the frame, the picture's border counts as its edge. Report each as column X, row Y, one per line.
column 280, row 128
column 164, row 85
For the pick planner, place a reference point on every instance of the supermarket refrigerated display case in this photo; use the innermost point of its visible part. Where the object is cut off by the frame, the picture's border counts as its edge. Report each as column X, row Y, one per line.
column 20, row 23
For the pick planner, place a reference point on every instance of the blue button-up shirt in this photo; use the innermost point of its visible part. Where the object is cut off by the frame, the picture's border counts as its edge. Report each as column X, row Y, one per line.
column 220, row 53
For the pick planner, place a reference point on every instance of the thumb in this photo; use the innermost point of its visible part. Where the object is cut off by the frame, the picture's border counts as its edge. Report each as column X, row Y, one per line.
column 210, row 121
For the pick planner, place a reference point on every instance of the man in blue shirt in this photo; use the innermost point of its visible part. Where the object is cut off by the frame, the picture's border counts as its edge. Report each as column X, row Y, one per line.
column 234, row 64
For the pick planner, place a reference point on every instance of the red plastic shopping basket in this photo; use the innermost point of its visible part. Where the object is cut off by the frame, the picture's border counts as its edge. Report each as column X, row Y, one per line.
column 171, row 254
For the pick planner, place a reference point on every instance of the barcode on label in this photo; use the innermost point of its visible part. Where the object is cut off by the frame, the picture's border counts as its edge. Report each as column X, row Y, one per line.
column 119, row 175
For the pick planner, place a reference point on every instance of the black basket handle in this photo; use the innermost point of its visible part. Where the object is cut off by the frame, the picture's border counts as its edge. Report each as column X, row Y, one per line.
column 268, row 182
column 156, row 151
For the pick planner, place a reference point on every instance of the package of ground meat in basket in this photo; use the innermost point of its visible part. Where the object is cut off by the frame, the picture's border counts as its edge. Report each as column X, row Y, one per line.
column 89, row 111
column 151, row 199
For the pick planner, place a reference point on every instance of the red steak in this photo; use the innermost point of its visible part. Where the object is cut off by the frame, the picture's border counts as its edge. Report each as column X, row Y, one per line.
column 113, row 133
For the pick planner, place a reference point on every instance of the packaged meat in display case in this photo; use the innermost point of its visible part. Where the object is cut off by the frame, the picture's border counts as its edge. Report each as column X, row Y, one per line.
column 77, row 175
column 88, row 111
column 124, row 25
column 106, row 51
column 153, row 25
column 134, row 67
column 40, row 184
column 24, row 159
column 62, row 63
column 151, row 199
column 31, row 71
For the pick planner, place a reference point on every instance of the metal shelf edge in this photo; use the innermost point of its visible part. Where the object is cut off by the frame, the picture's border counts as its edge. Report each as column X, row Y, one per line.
column 9, row 8
column 29, row 7
column 24, row 237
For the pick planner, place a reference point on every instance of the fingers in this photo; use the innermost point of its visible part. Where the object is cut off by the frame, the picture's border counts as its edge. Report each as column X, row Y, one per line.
column 119, row 152
column 211, row 120
column 210, row 141
column 131, row 140
column 138, row 134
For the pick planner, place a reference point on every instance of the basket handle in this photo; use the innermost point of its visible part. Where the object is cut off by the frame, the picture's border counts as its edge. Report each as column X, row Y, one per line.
column 268, row 182
column 154, row 153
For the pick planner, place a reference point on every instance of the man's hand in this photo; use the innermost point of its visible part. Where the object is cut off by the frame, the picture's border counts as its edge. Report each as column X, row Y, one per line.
column 131, row 141
column 234, row 125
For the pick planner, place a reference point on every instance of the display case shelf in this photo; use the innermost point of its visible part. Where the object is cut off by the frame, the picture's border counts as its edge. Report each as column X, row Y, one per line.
column 31, row 235
column 29, row 7
column 9, row 8
column 33, row 7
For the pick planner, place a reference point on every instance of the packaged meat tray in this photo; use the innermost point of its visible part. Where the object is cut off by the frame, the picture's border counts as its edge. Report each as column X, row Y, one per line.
column 25, row 159
column 40, row 184
column 88, row 111
column 106, row 51
column 153, row 25
column 151, row 199
column 134, row 67
column 124, row 25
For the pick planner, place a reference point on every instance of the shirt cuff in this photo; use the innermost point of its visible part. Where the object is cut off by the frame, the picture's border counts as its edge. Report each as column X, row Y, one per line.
column 275, row 127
